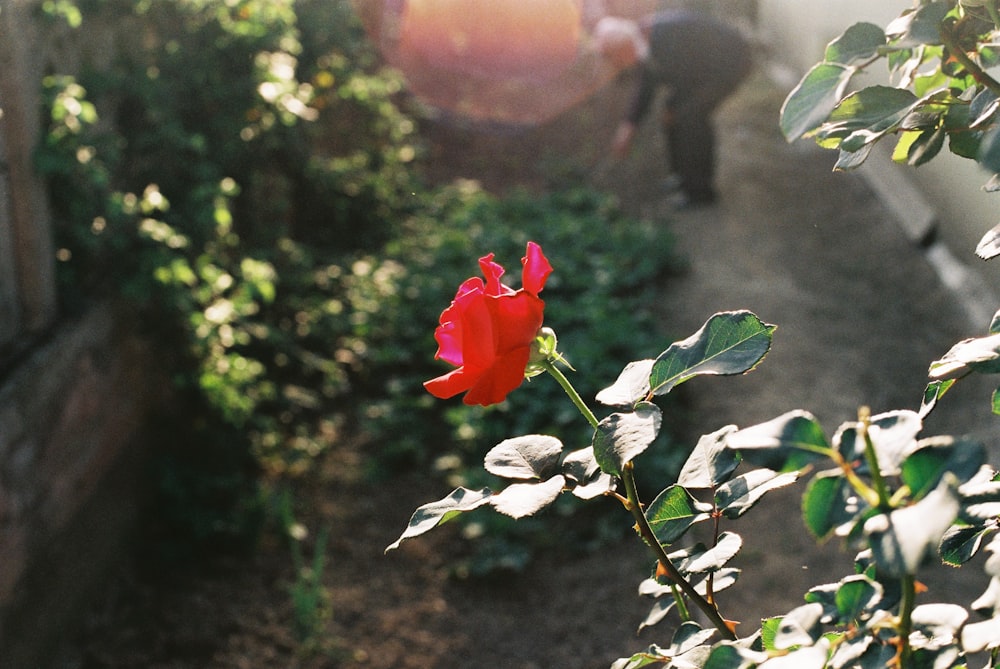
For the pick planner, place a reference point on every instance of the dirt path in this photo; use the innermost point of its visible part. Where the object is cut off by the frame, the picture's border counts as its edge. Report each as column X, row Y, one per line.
column 860, row 315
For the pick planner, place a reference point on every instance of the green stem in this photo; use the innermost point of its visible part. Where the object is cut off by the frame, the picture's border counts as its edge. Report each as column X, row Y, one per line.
column 864, row 417
column 909, row 598
column 646, row 532
column 561, row 379
column 956, row 52
column 634, row 506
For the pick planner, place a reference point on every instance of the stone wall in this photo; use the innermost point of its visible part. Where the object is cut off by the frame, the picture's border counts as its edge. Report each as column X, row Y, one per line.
column 70, row 460
column 73, row 394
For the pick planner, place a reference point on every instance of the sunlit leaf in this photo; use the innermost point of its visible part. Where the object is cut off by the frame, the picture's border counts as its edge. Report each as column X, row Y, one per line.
column 988, row 603
column 989, row 245
column 658, row 612
column 689, row 636
column 785, row 443
column 902, row 539
column 926, row 146
column 921, row 26
column 526, row 499
column 859, row 42
column 923, row 469
column 939, row 621
column 982, row 108
column 961, row 543
column 652, row 655
column 854, row 595
column 799, row 627
column 811, row 101
column 533, row 456
column 621, row 437
column 674, row 511
column 866, row 115
column 429, row 516
column 854, row 157
column 729, row 655
column 711, row 462
column 893, row 435
column 980, row 354
column 737, row 496
column 581, row 467
column 631, row 386
column 934, row 391
column 729, row 343
column 699, row 559
column 810, row 657
column 985, row 635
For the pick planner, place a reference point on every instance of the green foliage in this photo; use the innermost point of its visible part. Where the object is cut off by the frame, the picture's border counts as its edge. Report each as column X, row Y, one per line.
column 242, row 177
column 897, row 499
column 942, row 93
column 600, row 279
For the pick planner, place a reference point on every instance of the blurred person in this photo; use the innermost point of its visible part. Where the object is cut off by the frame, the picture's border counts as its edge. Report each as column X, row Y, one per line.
column 700, row 62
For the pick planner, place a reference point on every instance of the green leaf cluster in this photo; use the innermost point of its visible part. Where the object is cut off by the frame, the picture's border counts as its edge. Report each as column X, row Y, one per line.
column 942, row 93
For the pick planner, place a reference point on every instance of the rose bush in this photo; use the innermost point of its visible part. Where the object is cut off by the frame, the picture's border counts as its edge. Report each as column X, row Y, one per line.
column 488, row 330
column 893, row 496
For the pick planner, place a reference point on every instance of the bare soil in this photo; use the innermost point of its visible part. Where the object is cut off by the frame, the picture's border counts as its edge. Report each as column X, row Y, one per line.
column 860, row 315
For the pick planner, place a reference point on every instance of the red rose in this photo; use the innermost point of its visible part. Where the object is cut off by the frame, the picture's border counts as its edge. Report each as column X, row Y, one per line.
column 488, row 331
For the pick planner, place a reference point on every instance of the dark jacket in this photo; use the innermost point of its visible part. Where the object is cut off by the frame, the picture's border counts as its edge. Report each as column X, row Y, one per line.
column 696, row 57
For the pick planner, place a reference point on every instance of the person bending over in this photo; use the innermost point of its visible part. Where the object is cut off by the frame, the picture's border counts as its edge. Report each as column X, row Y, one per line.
column 700, row 62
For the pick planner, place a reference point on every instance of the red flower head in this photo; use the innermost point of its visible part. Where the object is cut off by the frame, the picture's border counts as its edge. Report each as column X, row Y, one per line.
column 488, row 331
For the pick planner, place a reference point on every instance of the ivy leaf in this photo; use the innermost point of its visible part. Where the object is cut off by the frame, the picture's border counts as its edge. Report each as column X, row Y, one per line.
column 859, row 42
column 533, row 456
column 674, row 511
column 631, row 385
column 902, row 539
column 729, row 343
column 736, row 497
column 811, row 101
column 430, row 515
column 621, row 437
column 785, row 443
column 711, row 462
column 980, row 354
column 526, row 499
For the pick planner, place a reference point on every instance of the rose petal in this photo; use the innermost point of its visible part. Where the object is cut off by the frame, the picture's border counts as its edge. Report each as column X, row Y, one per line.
column 536, row 269
column 495, row 383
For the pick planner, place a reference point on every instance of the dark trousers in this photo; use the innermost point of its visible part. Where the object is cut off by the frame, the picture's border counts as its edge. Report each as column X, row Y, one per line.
column 690, row 136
